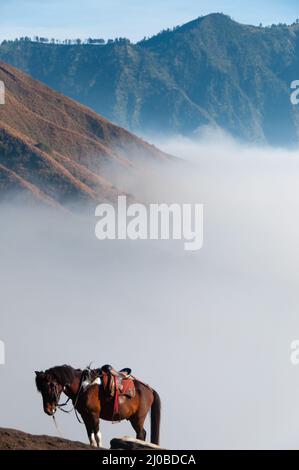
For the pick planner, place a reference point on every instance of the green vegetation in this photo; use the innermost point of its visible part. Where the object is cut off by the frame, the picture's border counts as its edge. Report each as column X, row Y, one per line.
column 209, row 71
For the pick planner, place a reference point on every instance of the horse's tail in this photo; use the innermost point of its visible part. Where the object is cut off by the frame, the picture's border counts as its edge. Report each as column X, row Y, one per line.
column 155, row 419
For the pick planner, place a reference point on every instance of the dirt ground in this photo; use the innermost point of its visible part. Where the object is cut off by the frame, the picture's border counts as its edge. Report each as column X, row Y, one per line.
column 11, row 439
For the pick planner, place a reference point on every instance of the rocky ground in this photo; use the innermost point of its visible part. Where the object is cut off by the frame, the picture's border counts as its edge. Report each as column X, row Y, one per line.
column 12, row 439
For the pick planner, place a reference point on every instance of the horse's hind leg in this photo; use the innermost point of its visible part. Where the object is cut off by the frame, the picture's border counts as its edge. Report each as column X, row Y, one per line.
column 137, row 423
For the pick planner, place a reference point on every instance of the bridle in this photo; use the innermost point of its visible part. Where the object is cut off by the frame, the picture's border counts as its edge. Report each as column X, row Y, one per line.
column 62, row 405
column 56, row 394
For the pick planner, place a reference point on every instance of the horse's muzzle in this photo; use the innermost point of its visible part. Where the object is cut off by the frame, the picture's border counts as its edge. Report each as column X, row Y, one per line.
column 50, row 410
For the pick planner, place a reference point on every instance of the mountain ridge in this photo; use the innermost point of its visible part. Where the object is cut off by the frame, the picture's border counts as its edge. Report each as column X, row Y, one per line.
column 211, row 71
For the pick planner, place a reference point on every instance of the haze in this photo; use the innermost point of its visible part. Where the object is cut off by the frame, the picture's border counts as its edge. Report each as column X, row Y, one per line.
column 210, row 330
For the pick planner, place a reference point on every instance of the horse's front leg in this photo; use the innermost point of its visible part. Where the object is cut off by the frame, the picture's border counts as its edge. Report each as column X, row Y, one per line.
column 93, row 429
column 96, row 429
column 98, row 435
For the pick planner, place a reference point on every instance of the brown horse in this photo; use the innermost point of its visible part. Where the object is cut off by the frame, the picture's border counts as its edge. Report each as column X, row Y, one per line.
column 90, row 400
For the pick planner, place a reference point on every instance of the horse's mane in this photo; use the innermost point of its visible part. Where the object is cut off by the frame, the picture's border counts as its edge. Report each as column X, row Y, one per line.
column 63, row 374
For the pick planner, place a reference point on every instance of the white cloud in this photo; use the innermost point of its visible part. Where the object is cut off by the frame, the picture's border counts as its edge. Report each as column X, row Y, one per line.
column 223, row 319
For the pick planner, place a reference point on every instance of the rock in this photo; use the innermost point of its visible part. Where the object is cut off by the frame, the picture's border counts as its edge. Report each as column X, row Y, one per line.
column 129, row 443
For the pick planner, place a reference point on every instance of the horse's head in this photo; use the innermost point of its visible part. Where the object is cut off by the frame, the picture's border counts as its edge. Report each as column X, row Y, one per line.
column 50, row 389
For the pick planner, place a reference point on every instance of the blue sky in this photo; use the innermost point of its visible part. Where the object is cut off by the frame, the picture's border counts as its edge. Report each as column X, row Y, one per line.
column 129, row 18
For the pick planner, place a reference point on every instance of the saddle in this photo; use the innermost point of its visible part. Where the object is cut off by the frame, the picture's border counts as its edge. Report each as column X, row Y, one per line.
column 117, row 383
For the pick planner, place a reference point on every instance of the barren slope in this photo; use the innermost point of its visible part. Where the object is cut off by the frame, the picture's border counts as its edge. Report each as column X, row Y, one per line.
column 58, row 150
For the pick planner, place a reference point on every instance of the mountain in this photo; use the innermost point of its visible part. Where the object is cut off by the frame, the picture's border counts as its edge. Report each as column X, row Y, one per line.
column 56, row 150
column 210, row 71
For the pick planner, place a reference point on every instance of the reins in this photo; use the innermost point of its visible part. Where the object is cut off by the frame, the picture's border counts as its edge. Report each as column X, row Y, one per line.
column 60, row 407
column 57, row 428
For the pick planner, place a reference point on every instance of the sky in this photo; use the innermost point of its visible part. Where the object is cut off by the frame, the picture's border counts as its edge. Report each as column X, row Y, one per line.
column 131, row 18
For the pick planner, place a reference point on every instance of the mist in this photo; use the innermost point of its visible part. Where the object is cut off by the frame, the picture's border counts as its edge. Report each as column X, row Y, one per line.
column 209, row 330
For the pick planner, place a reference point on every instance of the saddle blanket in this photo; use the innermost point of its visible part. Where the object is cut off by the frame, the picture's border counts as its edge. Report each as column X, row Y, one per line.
column 128, row 388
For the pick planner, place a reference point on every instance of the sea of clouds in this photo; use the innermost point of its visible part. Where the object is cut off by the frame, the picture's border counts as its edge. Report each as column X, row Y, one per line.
column 209, row 330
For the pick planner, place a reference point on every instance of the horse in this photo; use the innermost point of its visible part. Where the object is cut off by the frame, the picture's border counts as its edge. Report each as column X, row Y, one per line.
column 91, row 402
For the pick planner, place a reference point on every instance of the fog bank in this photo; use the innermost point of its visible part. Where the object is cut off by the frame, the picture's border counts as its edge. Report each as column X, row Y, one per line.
column 210, row 330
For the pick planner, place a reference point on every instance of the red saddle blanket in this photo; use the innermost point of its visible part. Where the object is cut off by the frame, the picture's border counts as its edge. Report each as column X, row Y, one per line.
column 124, row 388
column 115, row 387
column 128, row 388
